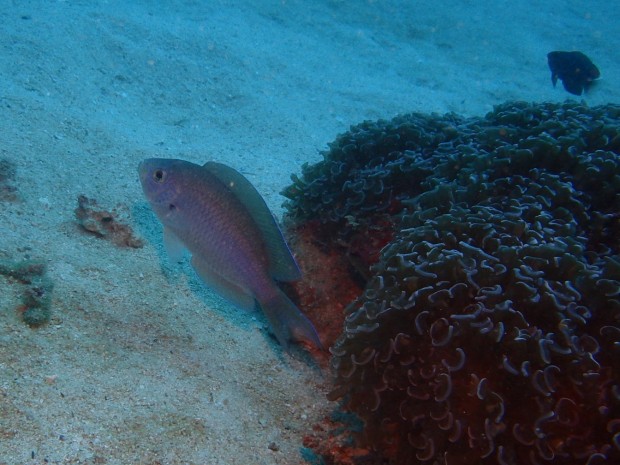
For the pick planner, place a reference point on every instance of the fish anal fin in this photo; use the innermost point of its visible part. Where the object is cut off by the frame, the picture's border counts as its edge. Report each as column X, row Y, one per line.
column 573, row 86
column 282, row 265
column 231, row 291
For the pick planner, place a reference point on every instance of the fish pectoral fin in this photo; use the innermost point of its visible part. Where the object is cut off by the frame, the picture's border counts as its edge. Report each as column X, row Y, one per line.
column 231, row 291
column 287, row 322
column 173, row 245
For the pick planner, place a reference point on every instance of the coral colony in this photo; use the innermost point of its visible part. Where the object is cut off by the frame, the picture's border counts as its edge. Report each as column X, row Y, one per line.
column 488, row 330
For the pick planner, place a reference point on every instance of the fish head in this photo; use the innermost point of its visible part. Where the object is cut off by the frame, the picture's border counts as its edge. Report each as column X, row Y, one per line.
column 161, row 183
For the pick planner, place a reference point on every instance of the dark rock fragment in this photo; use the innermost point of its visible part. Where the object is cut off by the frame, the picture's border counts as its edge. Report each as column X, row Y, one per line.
column 106, row 224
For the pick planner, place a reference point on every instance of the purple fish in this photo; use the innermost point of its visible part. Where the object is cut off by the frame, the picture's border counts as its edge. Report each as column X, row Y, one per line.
column 237, row 248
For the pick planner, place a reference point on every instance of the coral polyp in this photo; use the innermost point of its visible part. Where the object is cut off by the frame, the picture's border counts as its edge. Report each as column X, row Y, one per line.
column 488, row 331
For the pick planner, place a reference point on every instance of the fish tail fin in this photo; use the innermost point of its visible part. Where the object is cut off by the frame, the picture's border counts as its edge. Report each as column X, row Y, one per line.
column 287, row 322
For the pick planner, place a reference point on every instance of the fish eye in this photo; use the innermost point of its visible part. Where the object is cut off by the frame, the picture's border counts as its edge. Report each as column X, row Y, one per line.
column 159, row 175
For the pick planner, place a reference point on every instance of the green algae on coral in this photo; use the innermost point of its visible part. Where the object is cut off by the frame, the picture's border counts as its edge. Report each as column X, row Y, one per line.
column 23, row 270
column 37, row 295
column 8, row 192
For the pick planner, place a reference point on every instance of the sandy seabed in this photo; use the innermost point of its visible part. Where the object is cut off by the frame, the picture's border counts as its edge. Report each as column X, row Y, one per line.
column 140, row 364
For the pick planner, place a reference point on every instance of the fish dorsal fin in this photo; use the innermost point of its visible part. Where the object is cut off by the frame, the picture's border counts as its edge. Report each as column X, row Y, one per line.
column 282, row 265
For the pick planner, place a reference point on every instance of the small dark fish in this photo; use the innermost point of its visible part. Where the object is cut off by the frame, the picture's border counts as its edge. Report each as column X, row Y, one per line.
column 237, row 248
column 574, row 69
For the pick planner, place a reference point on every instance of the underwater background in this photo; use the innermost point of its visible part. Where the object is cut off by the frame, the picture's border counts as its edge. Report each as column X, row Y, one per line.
column 111, row 354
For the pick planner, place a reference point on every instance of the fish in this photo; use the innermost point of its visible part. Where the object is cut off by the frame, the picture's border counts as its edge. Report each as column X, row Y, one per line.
column 236, row 246
column 574, row 69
